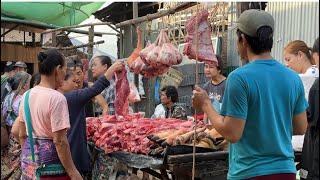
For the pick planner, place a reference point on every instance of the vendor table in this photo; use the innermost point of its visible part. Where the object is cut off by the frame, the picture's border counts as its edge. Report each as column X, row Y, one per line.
column 209, row 165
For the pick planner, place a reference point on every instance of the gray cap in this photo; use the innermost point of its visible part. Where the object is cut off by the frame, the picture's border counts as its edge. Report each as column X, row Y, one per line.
column 20, row 64
column 251, row 20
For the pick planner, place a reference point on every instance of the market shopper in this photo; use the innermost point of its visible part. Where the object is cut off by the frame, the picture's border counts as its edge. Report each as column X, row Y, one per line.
column 10, row 155
column 9, row 72
column 310, row 151
column 49, row 118
column 169, row 101
column 76, row 66
column 298, row 57
column 100, row 65
column 77, row 99
column 35, row 80
column 216, row 85
column 20, row 66
column 263, row 106
column 19, row 84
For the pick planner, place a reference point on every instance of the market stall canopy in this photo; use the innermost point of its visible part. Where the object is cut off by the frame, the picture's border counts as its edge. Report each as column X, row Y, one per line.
column 53, row 13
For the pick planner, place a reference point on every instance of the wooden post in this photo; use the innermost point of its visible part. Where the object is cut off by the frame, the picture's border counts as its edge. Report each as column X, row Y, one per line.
column 54, row 39
column 33, row 39
column 135, row 13
column 90, row 51
column 121, row 44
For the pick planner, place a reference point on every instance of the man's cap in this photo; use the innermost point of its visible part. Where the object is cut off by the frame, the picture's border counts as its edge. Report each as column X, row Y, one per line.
column 251, row 20
column 20, row 64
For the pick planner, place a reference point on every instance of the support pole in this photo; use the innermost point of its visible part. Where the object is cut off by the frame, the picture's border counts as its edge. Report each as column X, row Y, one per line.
column 90, row 52
column 135, row 15
column 54, row 39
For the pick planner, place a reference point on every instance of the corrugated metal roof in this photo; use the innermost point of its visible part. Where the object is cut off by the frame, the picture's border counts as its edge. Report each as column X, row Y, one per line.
column 293, row 21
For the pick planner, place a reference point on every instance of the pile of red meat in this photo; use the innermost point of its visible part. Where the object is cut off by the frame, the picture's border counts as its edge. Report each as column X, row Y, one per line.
column 130, row 133
column 198, row 27
column 155, row 59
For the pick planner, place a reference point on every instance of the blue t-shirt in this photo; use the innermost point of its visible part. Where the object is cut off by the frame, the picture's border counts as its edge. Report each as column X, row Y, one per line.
column 266, row 95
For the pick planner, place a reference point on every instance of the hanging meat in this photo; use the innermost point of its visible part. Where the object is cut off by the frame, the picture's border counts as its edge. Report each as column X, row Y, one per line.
column 198, row 27
column 156, row 58
column 121, row 102
column 135, row 54
column 161, row 52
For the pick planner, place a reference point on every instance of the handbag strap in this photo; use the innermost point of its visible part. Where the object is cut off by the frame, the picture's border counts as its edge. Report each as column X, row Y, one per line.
column 28, row 120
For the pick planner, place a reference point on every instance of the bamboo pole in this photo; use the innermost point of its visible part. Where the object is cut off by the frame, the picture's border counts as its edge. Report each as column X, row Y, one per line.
column 73, row 47
column 150, row 17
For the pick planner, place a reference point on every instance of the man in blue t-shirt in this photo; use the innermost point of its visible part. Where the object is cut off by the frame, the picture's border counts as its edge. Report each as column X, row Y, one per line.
column 263, row 106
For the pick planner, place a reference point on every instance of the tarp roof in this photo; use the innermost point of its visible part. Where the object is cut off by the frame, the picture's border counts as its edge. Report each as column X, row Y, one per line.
column 55, row 13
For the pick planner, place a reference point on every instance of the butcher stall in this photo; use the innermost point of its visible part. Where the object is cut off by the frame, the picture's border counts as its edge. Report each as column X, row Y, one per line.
column 162, row 148
column 165, row 148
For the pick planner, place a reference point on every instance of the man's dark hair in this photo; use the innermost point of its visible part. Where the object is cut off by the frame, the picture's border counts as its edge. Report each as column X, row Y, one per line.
column 9, row 68
column 315, row 48
column 69, row 74
column 74, row 62
column 105, row 60
column 262, row 43
column 35, row 80
column 49, row 60
column 171, row 92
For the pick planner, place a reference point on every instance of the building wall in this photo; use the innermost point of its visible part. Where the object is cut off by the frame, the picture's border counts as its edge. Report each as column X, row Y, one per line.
column 233, row 59
column 293, row 21
column 11, row 52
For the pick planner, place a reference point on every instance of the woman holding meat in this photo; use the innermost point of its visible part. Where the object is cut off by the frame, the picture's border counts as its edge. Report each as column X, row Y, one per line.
column 100, row 65
column 77, row 99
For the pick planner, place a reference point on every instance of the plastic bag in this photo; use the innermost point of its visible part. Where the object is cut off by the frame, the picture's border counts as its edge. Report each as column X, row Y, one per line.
column 134, row 94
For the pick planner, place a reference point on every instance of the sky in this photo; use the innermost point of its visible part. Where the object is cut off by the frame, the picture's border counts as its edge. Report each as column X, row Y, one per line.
column 107, row 48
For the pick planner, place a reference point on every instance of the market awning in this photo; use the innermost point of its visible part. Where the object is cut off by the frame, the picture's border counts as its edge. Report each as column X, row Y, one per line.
column 53, row 13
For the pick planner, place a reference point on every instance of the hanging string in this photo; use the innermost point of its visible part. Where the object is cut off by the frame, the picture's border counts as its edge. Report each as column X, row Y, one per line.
column 196, row 83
